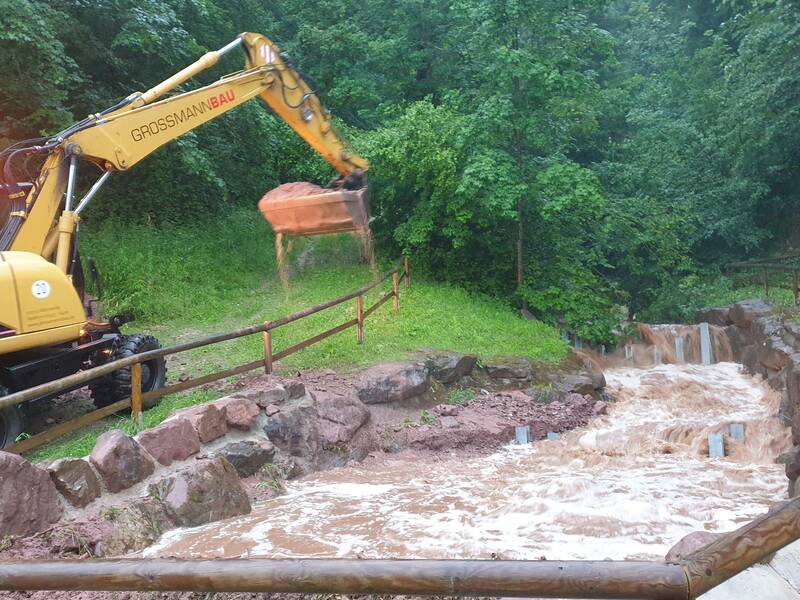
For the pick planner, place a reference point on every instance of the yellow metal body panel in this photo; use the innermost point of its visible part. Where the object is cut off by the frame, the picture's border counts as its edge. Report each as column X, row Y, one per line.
column 38, row 302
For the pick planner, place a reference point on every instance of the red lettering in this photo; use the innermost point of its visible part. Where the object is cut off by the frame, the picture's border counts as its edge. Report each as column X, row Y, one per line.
column 214, row 102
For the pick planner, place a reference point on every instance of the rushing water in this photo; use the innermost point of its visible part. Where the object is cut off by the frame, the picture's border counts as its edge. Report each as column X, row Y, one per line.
column 628, row 486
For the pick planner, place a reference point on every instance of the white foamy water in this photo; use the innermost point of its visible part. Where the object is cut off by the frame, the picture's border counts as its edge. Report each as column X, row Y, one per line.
column 628, row 486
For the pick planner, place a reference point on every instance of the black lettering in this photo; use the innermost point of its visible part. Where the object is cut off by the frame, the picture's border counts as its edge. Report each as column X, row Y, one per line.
column 162, row 124
column 171, row 120
column 136, row 135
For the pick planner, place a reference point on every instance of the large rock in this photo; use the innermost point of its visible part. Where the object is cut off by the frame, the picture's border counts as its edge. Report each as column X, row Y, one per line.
column 449, row 367
column 240, row 413
column 208, row 490
column 720, row 316
column 269, row 395
column 136, row 525
column 207, row 419
column 295, row 388
column 392, row 382
column 248, row 456
column 174, row 439
column 792, row 461
column 738, row 339
column 339, row 417
column 745, row 312
column 120, row 461
column 515, row 367
column 294, row 428
column 319, row 432
column 29, row 502
column 75, row 479
column 689, row 544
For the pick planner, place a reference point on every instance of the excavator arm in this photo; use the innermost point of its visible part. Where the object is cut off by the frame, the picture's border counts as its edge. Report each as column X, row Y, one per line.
column 120, row 137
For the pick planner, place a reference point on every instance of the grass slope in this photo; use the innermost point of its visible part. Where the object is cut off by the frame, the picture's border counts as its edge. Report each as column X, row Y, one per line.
column 187, row 282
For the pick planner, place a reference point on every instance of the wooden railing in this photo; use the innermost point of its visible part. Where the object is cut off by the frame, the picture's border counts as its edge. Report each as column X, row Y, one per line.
column 781, row 265
column 686, row 580
column 138, row 398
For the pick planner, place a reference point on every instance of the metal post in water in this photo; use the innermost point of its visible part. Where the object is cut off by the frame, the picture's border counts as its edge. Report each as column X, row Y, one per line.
column 553, row 436
column 522, row 434
column 716, row 445
column 578, row 342
column 736, row 431
column 705, row 344
column 679, row 356
column 656, row 355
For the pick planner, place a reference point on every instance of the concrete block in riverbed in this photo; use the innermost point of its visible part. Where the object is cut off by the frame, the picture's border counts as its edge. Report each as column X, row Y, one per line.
column 522, row 434
column 736, row 431
column 716, row 445
column 705, row 344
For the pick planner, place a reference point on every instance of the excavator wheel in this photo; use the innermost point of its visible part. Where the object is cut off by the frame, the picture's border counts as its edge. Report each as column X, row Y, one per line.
column 117, row 385
column 11, row 422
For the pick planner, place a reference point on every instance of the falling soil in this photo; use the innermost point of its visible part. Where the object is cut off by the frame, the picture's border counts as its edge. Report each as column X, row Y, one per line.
column 628, row 486
column 298, row 189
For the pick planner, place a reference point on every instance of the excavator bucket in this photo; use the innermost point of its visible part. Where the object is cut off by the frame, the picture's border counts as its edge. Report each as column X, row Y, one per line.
column 301, row 208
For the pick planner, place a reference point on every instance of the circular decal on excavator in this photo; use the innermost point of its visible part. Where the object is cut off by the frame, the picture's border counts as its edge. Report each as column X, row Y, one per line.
column 40, row 289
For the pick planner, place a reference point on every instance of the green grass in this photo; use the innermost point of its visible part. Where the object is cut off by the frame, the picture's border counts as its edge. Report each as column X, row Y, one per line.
column 184, row 283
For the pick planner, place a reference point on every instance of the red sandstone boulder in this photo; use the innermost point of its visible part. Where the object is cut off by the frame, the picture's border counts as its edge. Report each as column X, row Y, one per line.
column 792, row 461
column 448, row 367
column 392, row 382
column 689, row 544
column 174, row 439
column 515, row 367
column 339, row 417
column 208, row 490
column 720, row 316
column 240, row 413
column 207, row 419
column 120, row 460
column 75, row 479
column 745, row 312
column 247, row 456
column 29, row 502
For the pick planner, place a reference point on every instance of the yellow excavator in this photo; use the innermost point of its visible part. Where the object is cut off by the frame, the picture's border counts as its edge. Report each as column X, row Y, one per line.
column 47, row 331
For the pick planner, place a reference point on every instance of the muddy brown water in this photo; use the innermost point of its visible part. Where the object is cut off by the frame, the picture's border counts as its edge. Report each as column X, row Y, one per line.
column 629, row 485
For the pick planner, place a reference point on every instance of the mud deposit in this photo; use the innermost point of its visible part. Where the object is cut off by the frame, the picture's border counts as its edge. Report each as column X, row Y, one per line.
column 629, row 485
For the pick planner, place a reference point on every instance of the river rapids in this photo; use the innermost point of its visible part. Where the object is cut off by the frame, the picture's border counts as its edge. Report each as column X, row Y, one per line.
column 628, row 486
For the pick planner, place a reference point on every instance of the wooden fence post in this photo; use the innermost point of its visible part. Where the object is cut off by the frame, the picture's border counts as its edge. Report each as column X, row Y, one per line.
column 268, row 351
column 766, row 281
column 406, row 272
column 136, row 395
column 360, row 317
column 794, row 286
column 396, row 291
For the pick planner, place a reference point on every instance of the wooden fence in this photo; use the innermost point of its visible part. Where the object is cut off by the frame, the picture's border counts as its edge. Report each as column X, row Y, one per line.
column 399, row 274
column 780, row 266
column 656, row 580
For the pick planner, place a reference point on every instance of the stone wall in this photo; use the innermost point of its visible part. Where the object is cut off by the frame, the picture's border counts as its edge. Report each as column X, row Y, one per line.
column 767, row 344
column 187, row 471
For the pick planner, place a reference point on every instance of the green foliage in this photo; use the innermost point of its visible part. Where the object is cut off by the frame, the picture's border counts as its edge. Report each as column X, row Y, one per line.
column 633, row 143
column 458, row 396
column 187, row 286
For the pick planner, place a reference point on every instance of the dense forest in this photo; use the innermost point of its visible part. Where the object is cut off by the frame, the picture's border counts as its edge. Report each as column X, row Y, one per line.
column 624, row 150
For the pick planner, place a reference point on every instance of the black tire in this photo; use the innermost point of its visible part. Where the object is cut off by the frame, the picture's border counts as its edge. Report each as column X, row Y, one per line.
column 117, row 386
column 11, row 423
